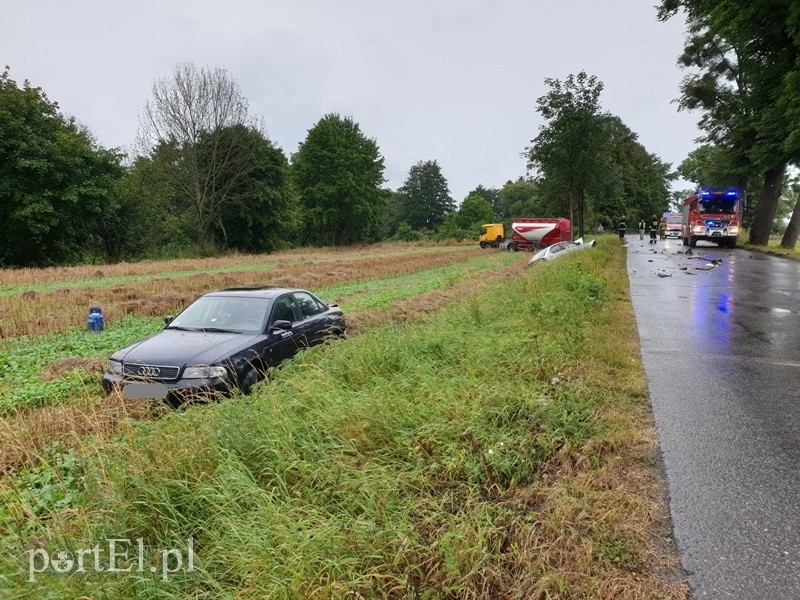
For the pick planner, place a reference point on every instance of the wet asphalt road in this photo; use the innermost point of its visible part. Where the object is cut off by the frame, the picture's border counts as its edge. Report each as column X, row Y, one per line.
column 721, row 348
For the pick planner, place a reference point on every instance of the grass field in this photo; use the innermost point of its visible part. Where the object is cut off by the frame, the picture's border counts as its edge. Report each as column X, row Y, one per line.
column 485, row 433
column 774, row 247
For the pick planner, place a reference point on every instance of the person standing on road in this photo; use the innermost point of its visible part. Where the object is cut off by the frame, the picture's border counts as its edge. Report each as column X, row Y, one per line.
column 621, row 227
column 653, row 229
column 662, row 228
column 641, row 229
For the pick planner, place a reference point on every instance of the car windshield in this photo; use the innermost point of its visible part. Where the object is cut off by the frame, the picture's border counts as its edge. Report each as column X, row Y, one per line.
column 674, row 220
column 223, row 313
column 717, row 206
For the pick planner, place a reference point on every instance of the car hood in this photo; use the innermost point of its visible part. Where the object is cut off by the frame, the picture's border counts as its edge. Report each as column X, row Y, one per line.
column 179, row 348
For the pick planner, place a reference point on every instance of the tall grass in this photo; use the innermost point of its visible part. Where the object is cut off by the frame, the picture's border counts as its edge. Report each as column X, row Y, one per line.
column 477, row 454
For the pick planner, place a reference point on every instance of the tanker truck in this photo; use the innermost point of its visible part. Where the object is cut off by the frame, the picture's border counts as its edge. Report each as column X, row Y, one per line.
column 526, row 234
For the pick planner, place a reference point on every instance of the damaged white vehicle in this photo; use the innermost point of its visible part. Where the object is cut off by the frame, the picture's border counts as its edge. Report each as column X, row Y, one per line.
column 560, row 249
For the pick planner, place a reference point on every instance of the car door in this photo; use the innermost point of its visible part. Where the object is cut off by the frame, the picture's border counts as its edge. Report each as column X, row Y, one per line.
column 283, row 343
column 314, row 324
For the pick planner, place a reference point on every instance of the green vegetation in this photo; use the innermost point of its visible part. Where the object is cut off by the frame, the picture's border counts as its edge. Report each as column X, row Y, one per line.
column 55, row 182
column 774, row 247
column 590, row 164
column 378, row 293
column 24, row 361
column 424, row 198
column 338, row 172
column 480, row 453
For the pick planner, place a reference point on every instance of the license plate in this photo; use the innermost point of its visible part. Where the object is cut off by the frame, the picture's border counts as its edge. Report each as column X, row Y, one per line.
column 145, row 390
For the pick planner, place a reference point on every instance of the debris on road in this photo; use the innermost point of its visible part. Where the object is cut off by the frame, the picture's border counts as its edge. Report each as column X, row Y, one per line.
column 708, row 266
column 716, row 261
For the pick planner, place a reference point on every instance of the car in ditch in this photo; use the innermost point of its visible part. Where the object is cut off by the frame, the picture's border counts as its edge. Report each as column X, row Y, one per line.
column 560, row 249
column 222, row 342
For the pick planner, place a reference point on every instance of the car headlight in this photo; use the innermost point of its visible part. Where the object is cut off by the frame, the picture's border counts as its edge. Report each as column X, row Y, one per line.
column 698, row 229
column 733, row 230
column 204, row 372
column 113, row 367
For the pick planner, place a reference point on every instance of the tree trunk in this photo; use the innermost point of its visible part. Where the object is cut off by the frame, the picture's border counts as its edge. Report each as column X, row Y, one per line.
column 764, row 215
column 572, row 216
column 790, row 235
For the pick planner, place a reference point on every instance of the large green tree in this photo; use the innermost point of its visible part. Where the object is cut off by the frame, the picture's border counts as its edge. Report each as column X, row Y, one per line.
column 190, row 113
column 589, row 163
column 634, row 182
column 522, row 198
column 569, row 151
column 153, row 222
column 338, row 172
column 56, row 183
column 424, row 196
column 261, row 212
column 491, row 195
column 474, row 211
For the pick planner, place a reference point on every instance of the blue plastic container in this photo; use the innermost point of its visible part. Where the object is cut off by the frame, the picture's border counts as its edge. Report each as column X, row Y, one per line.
column 95, row 321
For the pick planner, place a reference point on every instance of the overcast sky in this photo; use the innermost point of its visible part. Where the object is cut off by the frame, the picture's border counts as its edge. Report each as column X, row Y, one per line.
column 450, row 80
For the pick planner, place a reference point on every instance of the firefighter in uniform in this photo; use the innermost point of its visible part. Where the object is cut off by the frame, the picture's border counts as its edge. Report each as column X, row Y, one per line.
column 653, row 229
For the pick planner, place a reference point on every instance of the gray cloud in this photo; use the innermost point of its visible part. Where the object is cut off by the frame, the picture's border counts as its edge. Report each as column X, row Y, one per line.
column 451, row 80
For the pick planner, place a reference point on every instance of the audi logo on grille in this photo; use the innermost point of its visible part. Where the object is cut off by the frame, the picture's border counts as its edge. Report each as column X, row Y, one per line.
column 149, row 371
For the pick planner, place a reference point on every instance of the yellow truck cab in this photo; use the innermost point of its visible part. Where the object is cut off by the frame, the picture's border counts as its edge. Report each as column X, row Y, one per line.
column 491, row 235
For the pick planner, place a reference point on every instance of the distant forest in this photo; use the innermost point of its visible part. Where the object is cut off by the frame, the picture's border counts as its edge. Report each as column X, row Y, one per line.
column 206, row 178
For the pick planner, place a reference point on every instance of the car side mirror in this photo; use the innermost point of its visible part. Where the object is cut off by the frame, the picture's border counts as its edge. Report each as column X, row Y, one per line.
column 282, row 325
column 168, row 319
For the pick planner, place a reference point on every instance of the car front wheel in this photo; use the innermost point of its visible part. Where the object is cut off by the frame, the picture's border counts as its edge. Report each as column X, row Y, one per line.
column 249, row 381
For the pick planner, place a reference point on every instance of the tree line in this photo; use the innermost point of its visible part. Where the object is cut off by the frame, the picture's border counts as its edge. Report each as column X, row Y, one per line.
column 744, row 79
column 206, row 178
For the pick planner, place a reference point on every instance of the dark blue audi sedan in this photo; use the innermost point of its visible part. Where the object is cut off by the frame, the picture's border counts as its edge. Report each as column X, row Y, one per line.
column 222, row 342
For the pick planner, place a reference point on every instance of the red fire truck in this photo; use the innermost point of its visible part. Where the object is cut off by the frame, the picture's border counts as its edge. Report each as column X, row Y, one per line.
column 714, row 216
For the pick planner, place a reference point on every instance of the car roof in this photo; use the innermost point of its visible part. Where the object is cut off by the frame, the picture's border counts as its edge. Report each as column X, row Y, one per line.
column 254, row 292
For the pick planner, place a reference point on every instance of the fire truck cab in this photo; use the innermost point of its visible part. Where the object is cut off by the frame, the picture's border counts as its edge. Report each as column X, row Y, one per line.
column 712, row 215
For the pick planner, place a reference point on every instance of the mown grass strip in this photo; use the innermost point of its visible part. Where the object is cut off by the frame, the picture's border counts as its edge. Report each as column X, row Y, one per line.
column 495, row 450
column 277, row 260
column 378, row 293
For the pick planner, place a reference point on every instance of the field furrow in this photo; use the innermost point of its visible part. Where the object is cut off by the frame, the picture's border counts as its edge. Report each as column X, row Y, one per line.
column 33, row 313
